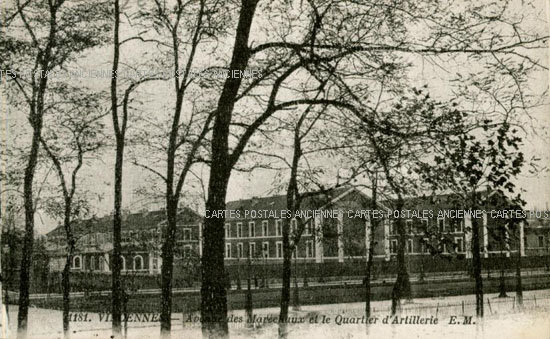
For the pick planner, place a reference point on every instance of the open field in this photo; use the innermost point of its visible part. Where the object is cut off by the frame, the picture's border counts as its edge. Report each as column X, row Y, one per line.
column 188, row 300
column 502, row 318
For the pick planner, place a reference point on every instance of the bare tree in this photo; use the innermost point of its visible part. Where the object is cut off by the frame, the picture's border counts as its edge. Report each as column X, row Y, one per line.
column 121, row 120
column 352, row 46
column 398, row 132
column 53, row 34
column 319, row 46
column 120, row 127
column 300, row 179
column 73, row 134
column 294, row 198
column 373, row 226
column 191, row 114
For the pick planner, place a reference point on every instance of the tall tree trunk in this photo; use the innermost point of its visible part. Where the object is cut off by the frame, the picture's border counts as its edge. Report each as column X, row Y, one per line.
column 502, row 278
column 66, row 275
column 402, row 287
column 66, row 287
column 116, row 261
column 296, row 295
column 519, row 286
column 291, row 205
column 4, row 276
column 248, row 298
column 213, row 293
column 173, row 193
column 167, row 268
column 370, row 253
column 28, row 240
column 287, row 275
column 502, row 282
column 476, row 263
column 36, row 114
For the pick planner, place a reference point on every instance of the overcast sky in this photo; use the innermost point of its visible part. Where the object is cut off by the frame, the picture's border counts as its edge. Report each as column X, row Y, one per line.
column 259, row 183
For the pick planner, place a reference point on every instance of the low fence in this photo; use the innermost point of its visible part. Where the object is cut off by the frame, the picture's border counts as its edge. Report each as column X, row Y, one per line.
column 428, row 266
column 189, row 301
column 415, row 264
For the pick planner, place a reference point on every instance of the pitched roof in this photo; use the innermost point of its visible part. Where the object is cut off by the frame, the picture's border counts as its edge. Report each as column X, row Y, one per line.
column 132, row 221
column 312, row 200
column 445, row 200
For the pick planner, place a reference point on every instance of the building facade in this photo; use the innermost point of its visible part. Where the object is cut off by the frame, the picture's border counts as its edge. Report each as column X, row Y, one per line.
column 327, row 234
column 141, row 240
column 537, row 235
column 440, row 226
column 335, row 229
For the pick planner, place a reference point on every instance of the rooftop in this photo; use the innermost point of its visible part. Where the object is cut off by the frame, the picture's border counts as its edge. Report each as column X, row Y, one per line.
column 130, row 221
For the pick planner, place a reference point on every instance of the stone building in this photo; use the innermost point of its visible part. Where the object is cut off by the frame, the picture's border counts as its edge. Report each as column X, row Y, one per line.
column 254, row 228
column 141, row 240
column 336, row 229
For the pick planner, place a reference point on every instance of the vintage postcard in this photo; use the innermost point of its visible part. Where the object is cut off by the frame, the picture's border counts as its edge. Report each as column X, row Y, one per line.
column 274, row 169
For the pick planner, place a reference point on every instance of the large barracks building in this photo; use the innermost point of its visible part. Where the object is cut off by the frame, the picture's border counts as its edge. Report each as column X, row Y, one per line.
column 141, row 242
column 335, row 229
column 327, row 236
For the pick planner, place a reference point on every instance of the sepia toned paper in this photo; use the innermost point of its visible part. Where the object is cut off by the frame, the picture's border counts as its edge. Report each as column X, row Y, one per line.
column 264, row 169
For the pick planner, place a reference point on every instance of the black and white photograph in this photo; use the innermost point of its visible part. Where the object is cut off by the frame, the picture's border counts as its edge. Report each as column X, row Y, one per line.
column 283, row 169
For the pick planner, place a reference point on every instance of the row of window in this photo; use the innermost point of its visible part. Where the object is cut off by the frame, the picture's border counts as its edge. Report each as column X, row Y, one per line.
column 127, row 236
column 99, row 263
column 264, row 250
column 265, row 229
column 420, row 226
column 458, row 246
column 412, row 227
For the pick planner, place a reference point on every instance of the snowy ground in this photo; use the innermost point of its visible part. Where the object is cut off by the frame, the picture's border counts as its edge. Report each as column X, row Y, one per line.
column 502, row 321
